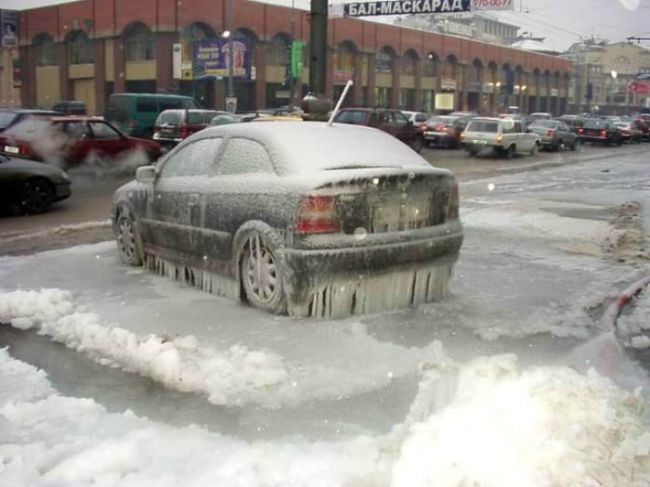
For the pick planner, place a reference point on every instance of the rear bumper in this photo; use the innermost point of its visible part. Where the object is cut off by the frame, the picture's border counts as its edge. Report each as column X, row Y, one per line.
column 352, row 263
column 437, row 137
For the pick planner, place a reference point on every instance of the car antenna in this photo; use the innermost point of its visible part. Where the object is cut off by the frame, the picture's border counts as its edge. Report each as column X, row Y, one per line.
column 338, row 103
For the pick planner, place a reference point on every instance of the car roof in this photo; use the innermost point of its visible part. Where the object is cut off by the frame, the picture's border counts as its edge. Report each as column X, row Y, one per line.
column 304, row 147
column 76, row 118
column 30, row 110
column 487, row 119
column 161, row 95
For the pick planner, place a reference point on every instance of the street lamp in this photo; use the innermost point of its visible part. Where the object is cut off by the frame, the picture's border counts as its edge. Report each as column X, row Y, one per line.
column 227, row 34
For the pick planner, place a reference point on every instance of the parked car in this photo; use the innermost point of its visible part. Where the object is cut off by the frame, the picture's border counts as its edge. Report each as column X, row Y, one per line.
column 13, row 116
column 70, row 141
column 630, row 131
column 418, row 119
column 554, row 135
column 393, row 122
column 70, row 107
column 643, row 120
column 228, row 118
column 574, row 122
column 540, row 116
column 445, row 130
column 172, row 126
column 135, row 114
column 301, row 217
column 30, row 187
column 504, row 136
column 597, row 130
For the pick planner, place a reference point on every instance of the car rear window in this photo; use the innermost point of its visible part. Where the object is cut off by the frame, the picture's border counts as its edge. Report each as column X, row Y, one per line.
column 595, row 124
column 6, row 118
column 543, row 123
column 483, row 126
column 351, row 116
column 169, row 118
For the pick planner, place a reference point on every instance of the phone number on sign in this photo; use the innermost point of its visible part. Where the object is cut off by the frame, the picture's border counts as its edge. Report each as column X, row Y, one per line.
column 491, row 4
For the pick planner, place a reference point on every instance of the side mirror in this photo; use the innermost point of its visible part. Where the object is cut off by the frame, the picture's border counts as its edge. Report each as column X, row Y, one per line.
column 146, row 174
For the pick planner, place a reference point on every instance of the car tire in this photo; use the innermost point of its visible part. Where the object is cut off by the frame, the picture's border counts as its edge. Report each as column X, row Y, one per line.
column 509, row 152
column 417, row 144
column 36, row 197
column 261, row 274
column 128, row 241
column 472, row 152
column 560, row 146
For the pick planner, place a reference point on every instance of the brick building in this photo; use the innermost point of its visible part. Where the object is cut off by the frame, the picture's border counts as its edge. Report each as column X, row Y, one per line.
column 91, row 48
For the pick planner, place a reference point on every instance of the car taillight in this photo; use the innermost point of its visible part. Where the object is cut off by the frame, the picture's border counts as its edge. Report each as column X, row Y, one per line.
column 603, row 133
column 550, row 133
column 452, row 212
column 462, row 135
column 499, row 139
column 23, row 151
column 580, row 131
column 184, row 131
column 317, row 214
column 440, row 128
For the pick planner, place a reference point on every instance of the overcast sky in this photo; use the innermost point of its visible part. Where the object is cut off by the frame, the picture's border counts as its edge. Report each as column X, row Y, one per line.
column 562, row 22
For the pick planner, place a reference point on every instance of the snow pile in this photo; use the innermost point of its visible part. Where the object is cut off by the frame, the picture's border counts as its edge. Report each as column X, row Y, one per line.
column 230, row 377
column 635, row 327
column 544, row 426
column 59, row 230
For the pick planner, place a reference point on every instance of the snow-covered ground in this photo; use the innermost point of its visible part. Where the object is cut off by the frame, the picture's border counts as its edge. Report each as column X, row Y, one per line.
column 511, row 381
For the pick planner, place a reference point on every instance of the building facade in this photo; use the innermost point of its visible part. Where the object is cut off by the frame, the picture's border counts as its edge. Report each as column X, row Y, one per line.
column 89, row 49
column 609, row 69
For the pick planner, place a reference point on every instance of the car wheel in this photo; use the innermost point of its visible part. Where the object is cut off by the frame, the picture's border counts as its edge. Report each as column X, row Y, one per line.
column 261, row 277
column 472, row 152
column 417, row 144
column 128, row 244
column 36, row 197
column 509, row 152
column 561, row 146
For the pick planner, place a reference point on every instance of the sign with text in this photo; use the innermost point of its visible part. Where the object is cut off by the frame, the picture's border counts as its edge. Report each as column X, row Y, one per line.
column 392, row 7
column 9, row 25
column 211, row 58
column 398, row 7
column 492, row 5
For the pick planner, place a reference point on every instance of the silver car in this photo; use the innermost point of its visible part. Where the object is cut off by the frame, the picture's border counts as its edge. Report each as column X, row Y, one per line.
column 303, row 217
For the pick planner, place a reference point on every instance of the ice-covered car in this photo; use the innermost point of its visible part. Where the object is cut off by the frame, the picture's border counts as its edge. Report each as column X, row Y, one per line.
column 312, row 219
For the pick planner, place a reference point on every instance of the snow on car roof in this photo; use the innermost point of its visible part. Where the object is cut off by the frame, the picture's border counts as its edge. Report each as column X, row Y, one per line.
column 305, row 147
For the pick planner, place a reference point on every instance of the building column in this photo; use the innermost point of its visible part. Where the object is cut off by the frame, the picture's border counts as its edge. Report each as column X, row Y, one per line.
column 418, row 85
column 357, row 88
column 64, row 78
column 396, row 82
column 481, row 78
column 27, row 76
column 259, row 60
column 329, row 75
column 464, row 86
column 119, row 65
column 100, row 75
column 372, row 80
column 165, row 61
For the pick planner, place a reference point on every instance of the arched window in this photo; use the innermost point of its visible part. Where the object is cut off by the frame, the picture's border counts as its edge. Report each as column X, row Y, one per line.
column 430, row 67
column 450, row 68
column 384, row 60
column 278, row 50
column 409, row 62
column 80, row 48
column 475, row 71
column 139, row 43
column 45, row 50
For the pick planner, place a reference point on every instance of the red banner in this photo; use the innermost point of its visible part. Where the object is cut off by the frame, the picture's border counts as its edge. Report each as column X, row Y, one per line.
column 639, row 87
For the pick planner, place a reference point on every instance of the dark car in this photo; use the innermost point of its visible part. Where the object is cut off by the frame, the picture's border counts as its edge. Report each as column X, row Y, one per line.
column 172, row 126
column 70, row 107
column 393, row 122
column 304, row 217
column 643, row 120
column 597, row 130
column 554, row 135
column 13, row 116
column 631, row 131
column 73, row 140
column 445, row 130
column 573, row 121
column 30, row 187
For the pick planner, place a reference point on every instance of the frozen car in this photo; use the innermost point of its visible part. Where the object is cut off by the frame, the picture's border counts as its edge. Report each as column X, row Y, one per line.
column 312, row 219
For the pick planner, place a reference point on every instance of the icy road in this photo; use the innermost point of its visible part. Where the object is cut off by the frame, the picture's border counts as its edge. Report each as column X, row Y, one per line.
column 513, row 380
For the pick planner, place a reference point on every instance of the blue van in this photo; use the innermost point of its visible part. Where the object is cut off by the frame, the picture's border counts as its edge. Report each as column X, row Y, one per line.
column 135, row 113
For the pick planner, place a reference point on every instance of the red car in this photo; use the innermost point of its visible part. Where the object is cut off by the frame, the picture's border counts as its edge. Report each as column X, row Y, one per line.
column 70, row 141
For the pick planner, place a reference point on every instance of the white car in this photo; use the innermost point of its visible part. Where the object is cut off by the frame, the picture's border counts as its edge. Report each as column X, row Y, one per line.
column 505, row 136
column 418, row 119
